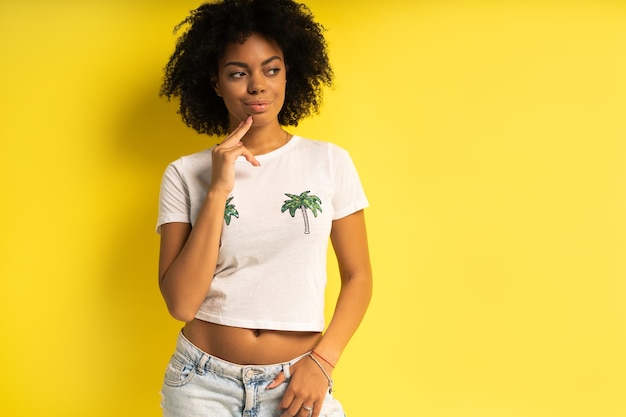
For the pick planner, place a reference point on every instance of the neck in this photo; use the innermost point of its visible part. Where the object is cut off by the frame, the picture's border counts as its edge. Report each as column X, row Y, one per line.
column 263, row 139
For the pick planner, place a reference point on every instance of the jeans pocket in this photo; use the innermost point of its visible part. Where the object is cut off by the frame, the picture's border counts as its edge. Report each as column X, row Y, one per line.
column 179, row 371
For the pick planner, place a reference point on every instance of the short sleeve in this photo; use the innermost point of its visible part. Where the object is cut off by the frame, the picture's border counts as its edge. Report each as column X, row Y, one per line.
column 348, row 194
column 174, row 199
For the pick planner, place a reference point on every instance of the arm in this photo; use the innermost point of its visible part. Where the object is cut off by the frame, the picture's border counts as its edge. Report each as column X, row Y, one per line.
column 349, row 239
column 308, row 385
column 188, row 256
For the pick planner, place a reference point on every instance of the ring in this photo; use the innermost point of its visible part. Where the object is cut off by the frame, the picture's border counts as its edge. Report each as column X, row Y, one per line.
column 307, row 408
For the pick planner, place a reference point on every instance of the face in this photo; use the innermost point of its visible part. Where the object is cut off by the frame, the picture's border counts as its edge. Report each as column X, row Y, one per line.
column 251, row 80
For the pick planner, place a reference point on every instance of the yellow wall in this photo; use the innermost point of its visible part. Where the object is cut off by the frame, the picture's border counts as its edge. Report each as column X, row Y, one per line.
column 491, row 140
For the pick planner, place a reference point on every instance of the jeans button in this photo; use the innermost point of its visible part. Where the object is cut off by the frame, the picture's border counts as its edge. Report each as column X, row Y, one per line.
column 249, row 373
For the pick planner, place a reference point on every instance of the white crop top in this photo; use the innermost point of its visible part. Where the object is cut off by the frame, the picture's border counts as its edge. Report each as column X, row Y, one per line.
column 271, row 270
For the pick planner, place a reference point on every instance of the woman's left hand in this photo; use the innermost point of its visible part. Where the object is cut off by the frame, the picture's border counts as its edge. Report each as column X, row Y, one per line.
column 307, row 389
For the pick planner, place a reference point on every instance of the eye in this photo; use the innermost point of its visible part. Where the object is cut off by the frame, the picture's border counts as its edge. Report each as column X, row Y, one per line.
column 273, row 71
column 237, row 74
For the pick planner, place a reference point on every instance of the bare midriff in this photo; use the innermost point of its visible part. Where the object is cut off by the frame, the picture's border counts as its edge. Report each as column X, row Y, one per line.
column 249, row 346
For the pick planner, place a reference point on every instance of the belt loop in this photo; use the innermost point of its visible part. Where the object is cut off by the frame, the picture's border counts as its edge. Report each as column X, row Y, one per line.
column 287, row 370
column 204, row 359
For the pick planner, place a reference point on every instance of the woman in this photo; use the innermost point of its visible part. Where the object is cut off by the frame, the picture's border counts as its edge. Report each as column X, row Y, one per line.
column 244, row 225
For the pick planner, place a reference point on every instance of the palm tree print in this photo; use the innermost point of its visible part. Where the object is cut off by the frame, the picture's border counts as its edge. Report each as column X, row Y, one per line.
column 229, row 211
column 303, row 202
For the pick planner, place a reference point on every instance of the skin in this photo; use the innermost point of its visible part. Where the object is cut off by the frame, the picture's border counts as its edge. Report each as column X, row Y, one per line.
column 251, row 79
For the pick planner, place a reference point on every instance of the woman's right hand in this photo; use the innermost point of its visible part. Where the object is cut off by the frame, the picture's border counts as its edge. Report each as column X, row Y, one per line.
column 224, row 156
column 189, row 255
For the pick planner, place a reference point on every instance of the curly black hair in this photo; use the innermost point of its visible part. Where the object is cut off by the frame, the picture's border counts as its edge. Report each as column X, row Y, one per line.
column 212, row 26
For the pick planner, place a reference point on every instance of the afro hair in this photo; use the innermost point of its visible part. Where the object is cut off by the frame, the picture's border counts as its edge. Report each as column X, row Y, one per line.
column 212, row 26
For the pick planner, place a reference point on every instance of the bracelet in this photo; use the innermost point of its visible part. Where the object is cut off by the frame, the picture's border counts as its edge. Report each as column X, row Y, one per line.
column 323, row 358
column 330, row 380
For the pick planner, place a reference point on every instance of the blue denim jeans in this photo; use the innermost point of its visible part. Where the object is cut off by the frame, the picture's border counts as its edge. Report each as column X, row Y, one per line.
column 200, row 385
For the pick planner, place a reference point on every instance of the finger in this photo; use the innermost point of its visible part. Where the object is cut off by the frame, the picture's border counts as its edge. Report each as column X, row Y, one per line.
column 249, row 157
column 236, row 135
column 296, row 408
column 317, row 409
column 287, row 400
column 308, row 410
column 236, row 151
column 280, row 378
column 297, row 413
column 302, row 412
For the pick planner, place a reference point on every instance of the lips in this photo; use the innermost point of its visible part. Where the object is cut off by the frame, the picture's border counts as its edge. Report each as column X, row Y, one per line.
column 258, row 106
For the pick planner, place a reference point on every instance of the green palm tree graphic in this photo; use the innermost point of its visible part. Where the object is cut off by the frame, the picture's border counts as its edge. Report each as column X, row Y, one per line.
column 229, row 211
column 303, row 202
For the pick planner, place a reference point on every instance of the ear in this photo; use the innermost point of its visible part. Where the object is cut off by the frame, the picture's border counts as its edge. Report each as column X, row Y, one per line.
column 216, row 86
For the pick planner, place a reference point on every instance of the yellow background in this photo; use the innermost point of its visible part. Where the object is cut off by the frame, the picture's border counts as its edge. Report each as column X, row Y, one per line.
column 491, row 140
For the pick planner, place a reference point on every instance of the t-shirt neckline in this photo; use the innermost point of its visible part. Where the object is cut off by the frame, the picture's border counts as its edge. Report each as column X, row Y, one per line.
column 276, row 152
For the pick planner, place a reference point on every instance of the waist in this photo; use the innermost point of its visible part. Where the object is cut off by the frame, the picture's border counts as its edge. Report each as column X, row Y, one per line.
column 249, row 346
column 208, row 362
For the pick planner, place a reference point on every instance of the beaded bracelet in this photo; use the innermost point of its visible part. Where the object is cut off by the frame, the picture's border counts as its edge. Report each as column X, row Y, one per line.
column 330, row 380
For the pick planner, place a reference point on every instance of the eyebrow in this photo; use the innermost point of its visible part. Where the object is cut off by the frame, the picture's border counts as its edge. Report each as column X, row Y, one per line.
column 244, row 65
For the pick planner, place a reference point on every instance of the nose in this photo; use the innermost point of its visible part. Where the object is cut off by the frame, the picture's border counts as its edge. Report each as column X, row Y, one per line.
column 256, row 84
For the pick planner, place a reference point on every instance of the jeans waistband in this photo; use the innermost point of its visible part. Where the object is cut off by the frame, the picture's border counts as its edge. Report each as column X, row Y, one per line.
column 207, row 362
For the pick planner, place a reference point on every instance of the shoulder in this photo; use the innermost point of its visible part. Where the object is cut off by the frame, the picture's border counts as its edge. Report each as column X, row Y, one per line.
column 319, row 146
column 187, row 170
column 191, row 162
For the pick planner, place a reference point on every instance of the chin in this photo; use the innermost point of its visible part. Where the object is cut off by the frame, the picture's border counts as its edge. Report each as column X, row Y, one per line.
column 262, row 119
